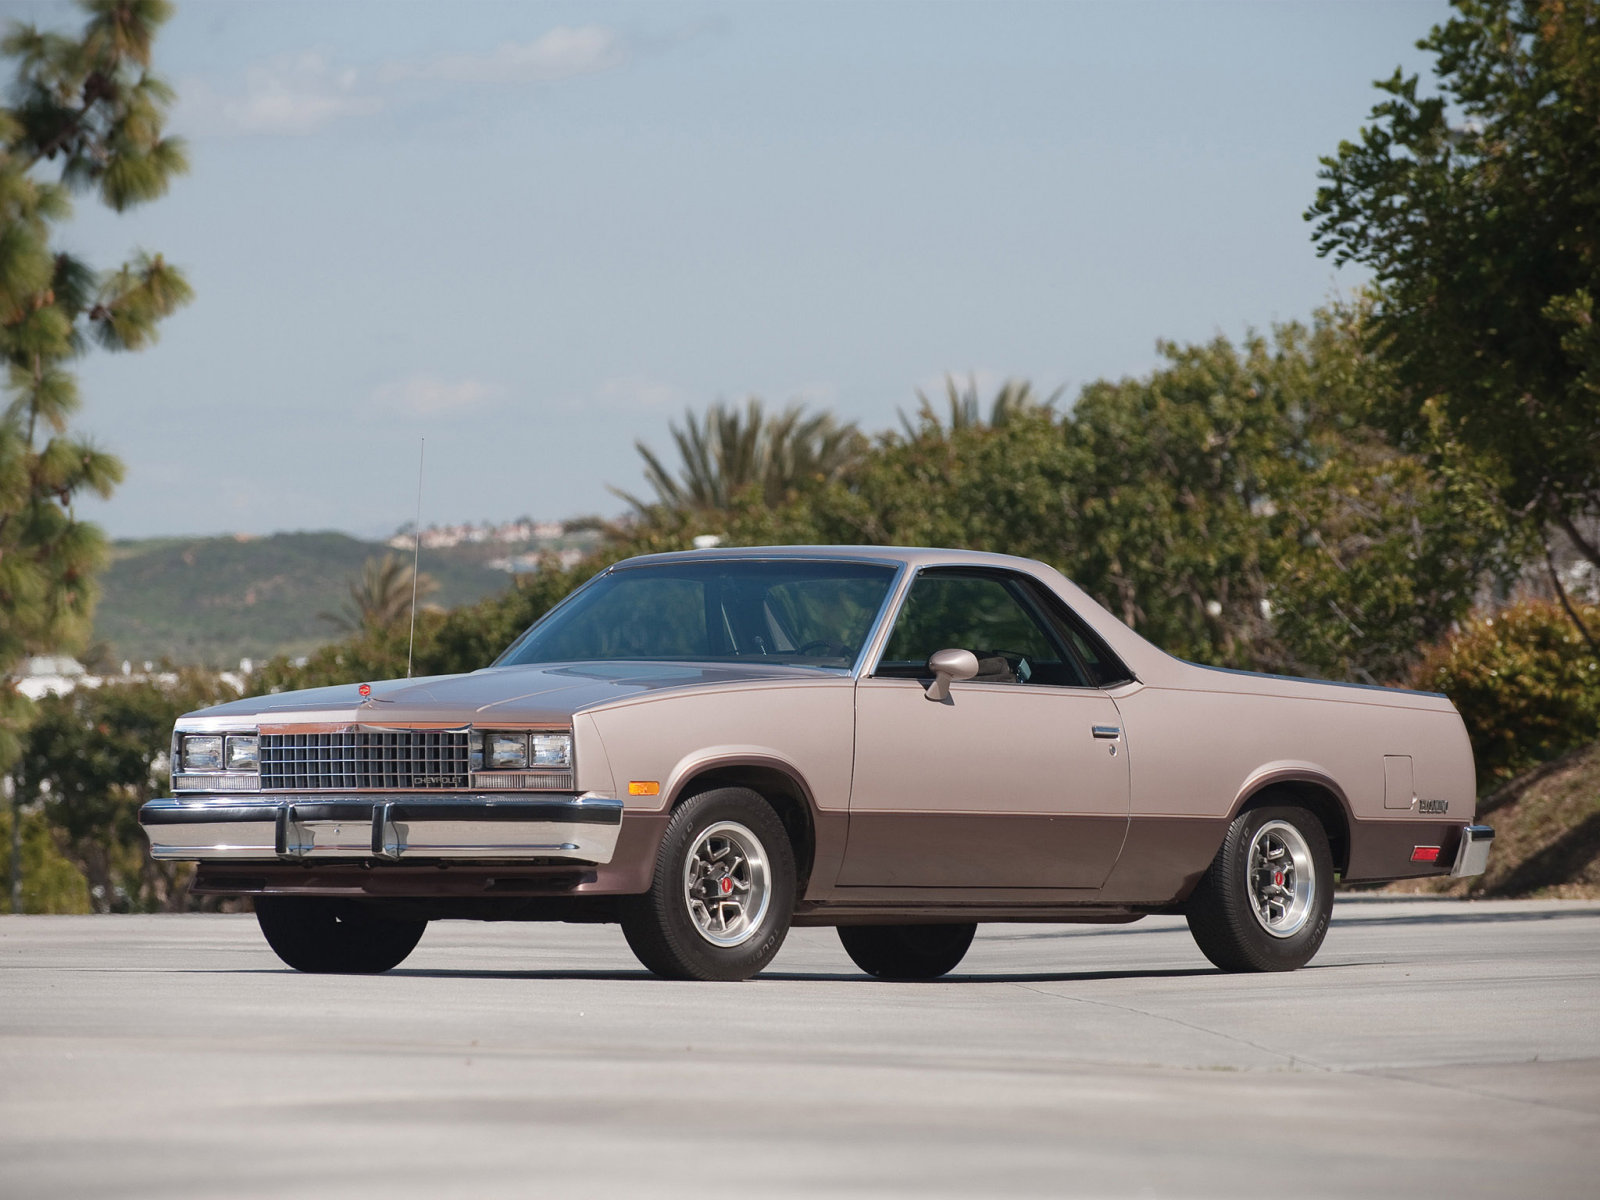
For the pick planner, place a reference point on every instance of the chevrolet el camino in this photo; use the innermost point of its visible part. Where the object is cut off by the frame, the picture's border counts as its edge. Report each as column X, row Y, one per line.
column 711, row 747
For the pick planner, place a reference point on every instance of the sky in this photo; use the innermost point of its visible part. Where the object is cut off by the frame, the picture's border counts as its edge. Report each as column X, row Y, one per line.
column 527, row 234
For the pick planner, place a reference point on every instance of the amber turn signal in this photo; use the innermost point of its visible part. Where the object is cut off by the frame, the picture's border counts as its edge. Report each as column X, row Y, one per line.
column 644, row 787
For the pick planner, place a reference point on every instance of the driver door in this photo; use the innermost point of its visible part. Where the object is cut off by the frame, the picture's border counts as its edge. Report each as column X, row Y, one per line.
column 1018, row 780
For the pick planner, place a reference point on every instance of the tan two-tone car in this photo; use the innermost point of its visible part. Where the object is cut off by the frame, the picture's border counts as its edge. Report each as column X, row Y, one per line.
column 713, row 746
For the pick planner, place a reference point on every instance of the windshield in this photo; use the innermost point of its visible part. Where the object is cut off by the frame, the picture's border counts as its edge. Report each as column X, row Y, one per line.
column 814, row 614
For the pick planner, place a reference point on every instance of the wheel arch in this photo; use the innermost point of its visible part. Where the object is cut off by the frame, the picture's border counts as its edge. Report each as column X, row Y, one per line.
column 1311, row 790
column 775, row 781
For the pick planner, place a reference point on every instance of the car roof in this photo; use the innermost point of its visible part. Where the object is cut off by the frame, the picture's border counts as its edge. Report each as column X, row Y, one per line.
column 913, row 556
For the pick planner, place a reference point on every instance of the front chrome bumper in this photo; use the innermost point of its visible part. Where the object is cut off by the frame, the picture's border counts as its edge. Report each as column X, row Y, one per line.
column 486, row 827
column 1472, row 852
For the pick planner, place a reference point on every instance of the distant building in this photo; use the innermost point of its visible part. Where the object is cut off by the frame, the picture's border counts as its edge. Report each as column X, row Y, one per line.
column 519, row 532
column 54, row 675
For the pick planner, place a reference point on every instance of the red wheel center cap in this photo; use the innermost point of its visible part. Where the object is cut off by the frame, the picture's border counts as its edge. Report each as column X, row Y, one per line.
column 1277, row 878
column 725, row 885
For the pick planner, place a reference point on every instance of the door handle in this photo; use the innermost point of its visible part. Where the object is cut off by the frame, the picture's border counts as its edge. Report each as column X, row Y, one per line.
column 1107, row 731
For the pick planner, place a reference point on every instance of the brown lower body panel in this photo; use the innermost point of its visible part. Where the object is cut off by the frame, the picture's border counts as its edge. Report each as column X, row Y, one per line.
column 1381, row 850
column 1166, row 856
column 980, row 850
column 1163, row 859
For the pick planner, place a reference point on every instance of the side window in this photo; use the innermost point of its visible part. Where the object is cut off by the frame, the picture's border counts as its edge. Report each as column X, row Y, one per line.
column 1104, row 667
column 991, row 615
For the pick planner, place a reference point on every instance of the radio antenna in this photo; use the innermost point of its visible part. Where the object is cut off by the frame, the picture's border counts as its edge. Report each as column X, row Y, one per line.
column 416, row 555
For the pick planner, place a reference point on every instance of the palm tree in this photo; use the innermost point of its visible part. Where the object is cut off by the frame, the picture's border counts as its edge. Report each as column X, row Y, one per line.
column 729, row 451
column 381, row 597
column 1015, row 397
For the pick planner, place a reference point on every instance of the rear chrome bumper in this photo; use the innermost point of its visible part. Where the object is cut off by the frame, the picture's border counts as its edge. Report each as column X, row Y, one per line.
column 485, row 827
column 1472, row 852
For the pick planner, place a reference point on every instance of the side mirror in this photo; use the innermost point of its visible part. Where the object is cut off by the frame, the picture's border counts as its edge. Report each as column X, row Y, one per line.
column 948, row 666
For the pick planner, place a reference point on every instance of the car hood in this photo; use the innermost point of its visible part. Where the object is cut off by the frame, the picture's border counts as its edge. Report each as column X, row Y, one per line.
column 549, row 692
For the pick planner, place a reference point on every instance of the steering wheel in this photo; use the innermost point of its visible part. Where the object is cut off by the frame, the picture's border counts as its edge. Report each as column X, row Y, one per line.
column 820, row 647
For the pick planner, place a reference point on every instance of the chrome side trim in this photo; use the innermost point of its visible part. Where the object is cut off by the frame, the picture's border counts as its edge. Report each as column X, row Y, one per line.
column 576, row 828
column 1472, row 853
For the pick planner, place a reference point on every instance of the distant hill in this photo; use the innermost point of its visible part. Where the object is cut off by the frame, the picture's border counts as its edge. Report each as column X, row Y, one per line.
column 212, row 601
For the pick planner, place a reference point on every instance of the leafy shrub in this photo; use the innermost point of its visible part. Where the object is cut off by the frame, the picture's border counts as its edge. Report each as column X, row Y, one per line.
column 50, row 882
column 1525, row 682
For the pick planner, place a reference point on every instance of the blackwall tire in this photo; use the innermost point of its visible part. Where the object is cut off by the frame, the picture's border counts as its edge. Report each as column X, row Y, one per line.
column 907, row 952
column 722, row 894
column 328, row 935
column 1264, row 903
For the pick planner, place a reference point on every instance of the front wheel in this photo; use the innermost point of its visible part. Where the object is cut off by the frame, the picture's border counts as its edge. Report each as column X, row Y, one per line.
column 723, row 892
column 1264, row 903
column 329, row 935
column 907, row 952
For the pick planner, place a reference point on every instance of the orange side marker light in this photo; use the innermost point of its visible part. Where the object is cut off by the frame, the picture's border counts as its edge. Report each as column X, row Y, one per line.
column 644, row 787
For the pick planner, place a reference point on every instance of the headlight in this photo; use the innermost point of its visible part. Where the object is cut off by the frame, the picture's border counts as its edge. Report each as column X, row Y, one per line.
column 508, row 751
column 240, row 752
column 525, row 751
column 550, row 750
column 202, row 753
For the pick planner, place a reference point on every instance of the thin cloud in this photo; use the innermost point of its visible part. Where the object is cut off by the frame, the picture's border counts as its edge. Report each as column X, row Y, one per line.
column 634, row 393
column 425, row 396
column 563, row 53
column 292, row 95
column 300, row 94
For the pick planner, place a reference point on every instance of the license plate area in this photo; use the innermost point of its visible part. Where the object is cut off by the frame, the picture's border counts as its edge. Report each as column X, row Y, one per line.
column 323, row 837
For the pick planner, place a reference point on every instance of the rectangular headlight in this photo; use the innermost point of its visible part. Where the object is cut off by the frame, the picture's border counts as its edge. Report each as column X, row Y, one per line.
column 507, row 751
column 240, row 752
column 550, row 750
column 202, row 753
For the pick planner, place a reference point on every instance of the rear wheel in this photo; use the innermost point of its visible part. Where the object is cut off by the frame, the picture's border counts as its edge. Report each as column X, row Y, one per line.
column 906, row 952
column 723, row 892
column 1264, row 903
column 330, row 935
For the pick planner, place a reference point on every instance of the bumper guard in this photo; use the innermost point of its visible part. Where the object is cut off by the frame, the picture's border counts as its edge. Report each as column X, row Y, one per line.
column 1472, row 852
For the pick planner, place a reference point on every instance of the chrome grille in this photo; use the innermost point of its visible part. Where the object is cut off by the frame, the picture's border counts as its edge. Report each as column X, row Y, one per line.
column 365, row 760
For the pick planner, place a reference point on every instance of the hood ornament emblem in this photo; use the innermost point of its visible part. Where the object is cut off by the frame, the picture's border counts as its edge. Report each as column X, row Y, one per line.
column 365, row 689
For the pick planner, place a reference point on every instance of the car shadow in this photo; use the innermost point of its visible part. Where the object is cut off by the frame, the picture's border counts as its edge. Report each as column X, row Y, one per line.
column 466, row 973
column 1467, row 918
column 1350, row 914
column 955, row 978
column 970, row 977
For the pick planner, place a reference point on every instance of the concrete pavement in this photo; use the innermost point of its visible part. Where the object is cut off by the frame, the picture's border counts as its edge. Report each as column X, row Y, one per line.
column 1434, row 1048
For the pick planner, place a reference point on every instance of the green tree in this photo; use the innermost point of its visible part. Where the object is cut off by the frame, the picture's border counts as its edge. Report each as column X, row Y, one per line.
column 86, row 115
column 89, row 760
column 1239, row 509
column 1234, row 506
column 964, row 408
column 48, row 882
column 1527, row 687
column 729, row 451
column 1478, row 210
column 382, row 597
